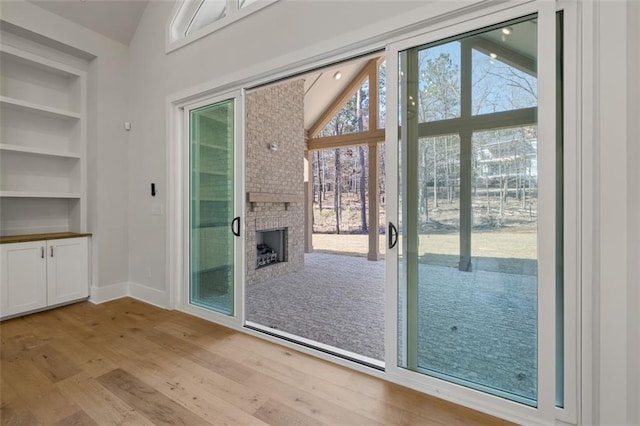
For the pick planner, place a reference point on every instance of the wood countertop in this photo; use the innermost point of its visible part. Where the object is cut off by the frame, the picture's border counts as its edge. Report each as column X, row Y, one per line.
column 39, row 237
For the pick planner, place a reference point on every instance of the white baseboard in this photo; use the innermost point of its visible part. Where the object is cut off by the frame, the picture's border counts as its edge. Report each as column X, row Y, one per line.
column 138, row 291
column 149, row 295
column 109, row 292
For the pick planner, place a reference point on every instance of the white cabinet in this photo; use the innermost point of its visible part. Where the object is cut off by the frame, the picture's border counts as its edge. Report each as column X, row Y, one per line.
column 42, row 144
column 44, row 273
column 67, row 270
column 24, row 278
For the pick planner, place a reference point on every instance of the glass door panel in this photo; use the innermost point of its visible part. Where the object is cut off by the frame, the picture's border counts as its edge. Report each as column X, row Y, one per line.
column 468, row 212
column 212, row 209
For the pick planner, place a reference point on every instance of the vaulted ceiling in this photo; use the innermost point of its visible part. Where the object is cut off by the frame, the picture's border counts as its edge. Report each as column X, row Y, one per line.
column 116, row 19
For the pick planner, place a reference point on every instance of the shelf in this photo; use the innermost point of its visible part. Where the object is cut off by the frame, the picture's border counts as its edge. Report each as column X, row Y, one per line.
column 269, row 197
column 212, row 199
column 11, row 53
column 216, row 147
column 38, row 151
column 40, row 109
column 43, row 144
column 31, row 194
column 219, row 174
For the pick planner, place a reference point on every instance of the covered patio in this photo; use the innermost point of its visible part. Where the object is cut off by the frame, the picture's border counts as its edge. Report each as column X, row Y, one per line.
column 479, row 325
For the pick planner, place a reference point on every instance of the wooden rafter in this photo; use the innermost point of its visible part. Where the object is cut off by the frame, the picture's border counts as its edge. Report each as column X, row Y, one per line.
column 374, row 100
column 349, row 139
column 343, row 98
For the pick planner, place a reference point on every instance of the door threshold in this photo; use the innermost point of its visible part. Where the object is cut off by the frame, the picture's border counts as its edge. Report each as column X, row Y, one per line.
column 312, row 344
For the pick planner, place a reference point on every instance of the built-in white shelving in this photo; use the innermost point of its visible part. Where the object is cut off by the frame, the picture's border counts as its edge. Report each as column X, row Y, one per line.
column 31, row 194
column 43, row 144
column 39, row 151
column 39, row 109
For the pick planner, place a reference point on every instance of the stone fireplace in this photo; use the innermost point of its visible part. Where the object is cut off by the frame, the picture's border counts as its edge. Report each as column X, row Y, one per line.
column 271, row 247
column 274, row 214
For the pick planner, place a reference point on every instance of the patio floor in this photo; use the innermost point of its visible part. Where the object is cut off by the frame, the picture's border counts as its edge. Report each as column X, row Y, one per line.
column 475, row 326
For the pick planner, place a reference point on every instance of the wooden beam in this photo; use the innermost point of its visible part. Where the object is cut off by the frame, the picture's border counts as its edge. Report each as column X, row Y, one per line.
column 374, row 99
column 349, row 139
column 308, row 203
column 341, row 99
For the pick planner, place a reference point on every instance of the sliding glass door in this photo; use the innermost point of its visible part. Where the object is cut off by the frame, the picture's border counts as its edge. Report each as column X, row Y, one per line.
column 213, row 226
column 478, row 252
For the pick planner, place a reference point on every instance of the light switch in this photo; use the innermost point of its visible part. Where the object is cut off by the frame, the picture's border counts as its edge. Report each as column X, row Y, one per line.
column 156, row 209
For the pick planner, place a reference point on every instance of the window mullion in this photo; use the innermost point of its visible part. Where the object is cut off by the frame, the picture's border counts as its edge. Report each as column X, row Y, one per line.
column 232, row 7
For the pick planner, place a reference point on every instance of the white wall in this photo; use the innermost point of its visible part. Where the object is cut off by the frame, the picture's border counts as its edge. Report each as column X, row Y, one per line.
column 107, row 141
column 633, row 165
column 616, row 214
column 278, row 30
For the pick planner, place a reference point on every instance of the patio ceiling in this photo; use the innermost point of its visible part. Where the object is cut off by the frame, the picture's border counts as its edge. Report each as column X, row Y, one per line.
column 321, row 88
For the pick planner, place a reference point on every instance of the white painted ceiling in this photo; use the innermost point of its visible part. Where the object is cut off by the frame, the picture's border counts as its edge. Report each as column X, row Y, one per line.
column 116, row 19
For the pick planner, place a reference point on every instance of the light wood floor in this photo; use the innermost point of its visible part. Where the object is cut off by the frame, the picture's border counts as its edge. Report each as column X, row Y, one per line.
column 126, row 362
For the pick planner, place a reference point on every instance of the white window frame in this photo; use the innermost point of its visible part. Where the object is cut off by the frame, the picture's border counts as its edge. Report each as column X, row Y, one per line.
column 184, row 12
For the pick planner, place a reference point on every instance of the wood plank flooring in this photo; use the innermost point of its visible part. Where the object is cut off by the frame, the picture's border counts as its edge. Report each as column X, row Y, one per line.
column 126, row 362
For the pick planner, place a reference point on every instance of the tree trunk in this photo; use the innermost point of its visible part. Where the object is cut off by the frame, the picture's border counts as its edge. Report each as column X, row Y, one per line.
column 435, row 175
column 363, row 165
column 363, row 193
column 320, row 182
column 425, row 187
column 337, row 193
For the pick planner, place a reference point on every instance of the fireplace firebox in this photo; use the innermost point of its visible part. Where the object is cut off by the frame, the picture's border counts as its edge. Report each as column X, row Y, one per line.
column 271, row 247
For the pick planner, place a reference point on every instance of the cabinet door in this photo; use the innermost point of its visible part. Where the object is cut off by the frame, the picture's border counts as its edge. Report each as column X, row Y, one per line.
column 67, row 270
column 23, row 279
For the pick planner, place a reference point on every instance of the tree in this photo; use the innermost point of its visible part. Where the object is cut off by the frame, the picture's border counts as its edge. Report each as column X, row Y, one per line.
column 363, row 195
column 321, row 190
column 337, row 191
column 438, row 99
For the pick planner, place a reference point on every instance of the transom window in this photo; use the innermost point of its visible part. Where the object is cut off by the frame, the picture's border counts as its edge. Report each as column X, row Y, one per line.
column 196, row 18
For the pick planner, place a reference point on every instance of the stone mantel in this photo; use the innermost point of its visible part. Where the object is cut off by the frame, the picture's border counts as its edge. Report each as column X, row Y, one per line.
column 271, row 197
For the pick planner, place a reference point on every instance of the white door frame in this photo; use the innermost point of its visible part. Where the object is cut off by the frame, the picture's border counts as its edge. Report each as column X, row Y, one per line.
column 546, row 411
column 433, row 22
column 181, row 193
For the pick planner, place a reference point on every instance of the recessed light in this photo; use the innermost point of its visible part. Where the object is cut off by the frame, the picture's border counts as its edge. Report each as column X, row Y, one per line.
column 337, row 75
column 493, row 55
column 507, row 30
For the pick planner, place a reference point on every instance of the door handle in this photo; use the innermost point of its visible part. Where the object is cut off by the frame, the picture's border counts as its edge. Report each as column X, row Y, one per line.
column 42, row 252
column 235, row 226
column 393, row 235
column 51, row 251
